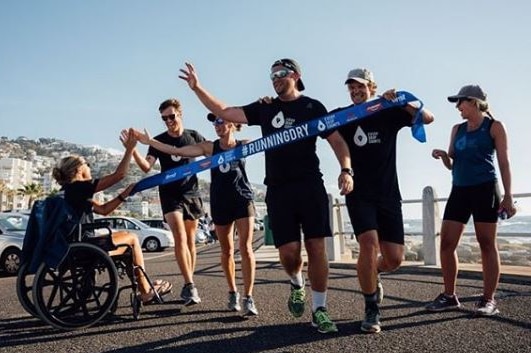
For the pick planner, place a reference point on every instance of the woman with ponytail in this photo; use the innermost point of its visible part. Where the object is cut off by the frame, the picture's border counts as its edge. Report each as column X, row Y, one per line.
column 475, row 193
column 74, row 175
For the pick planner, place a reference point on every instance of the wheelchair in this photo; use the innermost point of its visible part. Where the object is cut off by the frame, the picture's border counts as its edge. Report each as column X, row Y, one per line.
column 84, row 287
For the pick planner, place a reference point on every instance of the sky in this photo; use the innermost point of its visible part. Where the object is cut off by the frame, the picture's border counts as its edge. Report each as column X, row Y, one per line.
column 81, row 71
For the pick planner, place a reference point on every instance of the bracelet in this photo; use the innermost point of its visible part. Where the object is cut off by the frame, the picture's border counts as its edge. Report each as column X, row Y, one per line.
column 121, row 198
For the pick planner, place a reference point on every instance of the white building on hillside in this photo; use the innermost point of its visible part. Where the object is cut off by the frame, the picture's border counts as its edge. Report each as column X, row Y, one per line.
column 15, row 173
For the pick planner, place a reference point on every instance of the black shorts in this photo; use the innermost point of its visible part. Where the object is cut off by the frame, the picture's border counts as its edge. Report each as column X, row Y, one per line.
column 230, row 210
column 480, row 201
column 294, row 206
column 190, row 206
column 384, row 216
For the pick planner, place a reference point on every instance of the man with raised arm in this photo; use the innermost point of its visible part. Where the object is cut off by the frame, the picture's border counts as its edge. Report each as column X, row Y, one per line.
column 296, row 197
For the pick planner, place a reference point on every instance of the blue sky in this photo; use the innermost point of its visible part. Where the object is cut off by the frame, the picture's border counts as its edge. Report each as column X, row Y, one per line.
column 83, row 70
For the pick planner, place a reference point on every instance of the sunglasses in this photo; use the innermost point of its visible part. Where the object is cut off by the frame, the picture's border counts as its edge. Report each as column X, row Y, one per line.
column 218, row 121
column 170, row 117
column 280, row 74
column 461, row 100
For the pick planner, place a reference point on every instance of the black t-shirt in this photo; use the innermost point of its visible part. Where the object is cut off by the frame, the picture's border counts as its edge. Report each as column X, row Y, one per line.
column 372, row 146
column 79, row 196
column 186, row 186
column 229, row 180
column 291, row 162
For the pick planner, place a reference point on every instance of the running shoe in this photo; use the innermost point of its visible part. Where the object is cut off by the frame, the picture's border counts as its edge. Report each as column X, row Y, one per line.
column 184, row 292
column 371, row 323
column 444, row 302
column 486, row 307
column 296, row 300
column 248, row 307
column 322, row 321
column 190, row 295
column 234, row 301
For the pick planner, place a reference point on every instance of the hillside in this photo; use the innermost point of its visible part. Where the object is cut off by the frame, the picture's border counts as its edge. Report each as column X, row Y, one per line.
column 106, row 161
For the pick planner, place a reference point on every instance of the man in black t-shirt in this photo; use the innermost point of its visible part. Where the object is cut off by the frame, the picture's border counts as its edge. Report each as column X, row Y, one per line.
column 296, row 197
column 374, row 206
column 180, row 200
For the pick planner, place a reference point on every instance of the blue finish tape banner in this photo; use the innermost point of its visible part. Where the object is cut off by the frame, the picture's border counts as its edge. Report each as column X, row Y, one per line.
column 289, row 135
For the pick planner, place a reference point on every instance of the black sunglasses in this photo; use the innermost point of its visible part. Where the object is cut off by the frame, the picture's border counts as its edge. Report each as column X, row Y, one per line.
column 461, row 100
column 169, row 117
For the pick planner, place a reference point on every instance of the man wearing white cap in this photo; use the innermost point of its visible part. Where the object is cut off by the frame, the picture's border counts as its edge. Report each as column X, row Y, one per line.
column 374, row 206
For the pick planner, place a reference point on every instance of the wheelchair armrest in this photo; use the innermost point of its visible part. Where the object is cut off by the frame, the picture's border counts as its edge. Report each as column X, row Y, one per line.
column 97, row 225
column 101, row 239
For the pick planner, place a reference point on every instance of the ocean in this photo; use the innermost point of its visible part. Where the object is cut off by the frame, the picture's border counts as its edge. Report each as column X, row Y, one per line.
column 518, row 228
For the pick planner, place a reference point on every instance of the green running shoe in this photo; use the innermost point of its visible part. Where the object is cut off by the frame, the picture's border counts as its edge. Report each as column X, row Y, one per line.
column 321, row 320
column 296, row 300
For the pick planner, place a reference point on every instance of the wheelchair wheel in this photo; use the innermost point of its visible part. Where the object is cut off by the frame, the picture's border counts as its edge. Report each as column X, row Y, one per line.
column 24, row 285
column 80, row 292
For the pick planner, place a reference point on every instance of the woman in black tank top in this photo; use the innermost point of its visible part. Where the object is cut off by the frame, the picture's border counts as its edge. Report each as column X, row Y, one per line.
column 232, row 206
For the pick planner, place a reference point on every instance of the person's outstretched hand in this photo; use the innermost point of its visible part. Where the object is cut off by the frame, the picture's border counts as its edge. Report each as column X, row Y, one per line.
column 143, row 137
column 127, row 138
column 190, row 76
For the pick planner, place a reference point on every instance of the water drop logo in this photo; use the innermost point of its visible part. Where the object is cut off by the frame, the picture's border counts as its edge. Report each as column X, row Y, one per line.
column 221, row 160
column 321, row 126
column 461, row 143
column 224, row 168
column 176, row 158
column 278, row 120
column 360, row 137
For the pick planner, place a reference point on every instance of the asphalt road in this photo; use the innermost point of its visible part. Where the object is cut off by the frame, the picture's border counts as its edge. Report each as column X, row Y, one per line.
column 209, row 327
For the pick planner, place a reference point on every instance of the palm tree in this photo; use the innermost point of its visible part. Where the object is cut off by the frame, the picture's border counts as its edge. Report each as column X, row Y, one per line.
column 10, row 198
column 32, row 190
column 3, row 190
column 53, row 192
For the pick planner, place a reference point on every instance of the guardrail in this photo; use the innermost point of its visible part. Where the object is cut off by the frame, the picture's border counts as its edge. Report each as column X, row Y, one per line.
column 431, row 225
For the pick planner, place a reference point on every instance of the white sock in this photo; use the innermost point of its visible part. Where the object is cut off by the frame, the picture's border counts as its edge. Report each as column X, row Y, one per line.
column 318, row 300
column 297, row 279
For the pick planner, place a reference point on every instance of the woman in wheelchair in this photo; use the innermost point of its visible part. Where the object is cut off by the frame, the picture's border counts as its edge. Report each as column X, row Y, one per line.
column 74, row 175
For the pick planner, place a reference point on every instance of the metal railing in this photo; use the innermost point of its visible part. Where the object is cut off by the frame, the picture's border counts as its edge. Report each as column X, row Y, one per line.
column 431, row 225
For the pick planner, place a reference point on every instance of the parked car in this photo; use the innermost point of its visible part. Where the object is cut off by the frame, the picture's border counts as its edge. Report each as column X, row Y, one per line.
column 201, row 236
column 12, row 229
column 156, row 223
column 151, row 239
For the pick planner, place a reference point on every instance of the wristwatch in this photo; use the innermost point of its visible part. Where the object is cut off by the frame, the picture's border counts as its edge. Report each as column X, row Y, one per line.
column 349, row 171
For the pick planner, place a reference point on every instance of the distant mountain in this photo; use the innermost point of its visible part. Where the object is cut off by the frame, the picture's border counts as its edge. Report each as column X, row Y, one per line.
column 25, row 148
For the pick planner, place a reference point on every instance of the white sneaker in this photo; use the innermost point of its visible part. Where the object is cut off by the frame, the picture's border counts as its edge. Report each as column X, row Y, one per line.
column 486, row 307
column 234, row 301
column 249, row 307
column 190, row 295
